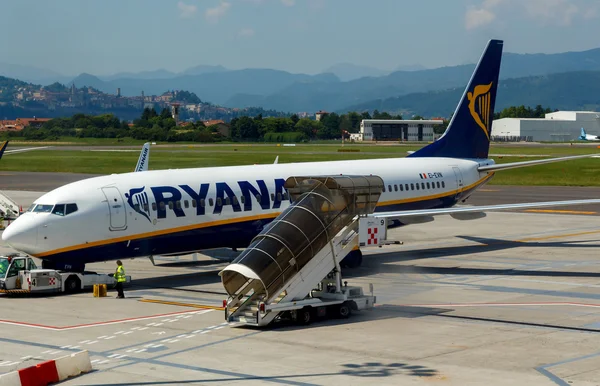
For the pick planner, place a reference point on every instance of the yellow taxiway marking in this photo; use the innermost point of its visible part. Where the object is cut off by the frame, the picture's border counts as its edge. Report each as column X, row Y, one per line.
column 559, row 211
column 558, row 236
column 192, row 305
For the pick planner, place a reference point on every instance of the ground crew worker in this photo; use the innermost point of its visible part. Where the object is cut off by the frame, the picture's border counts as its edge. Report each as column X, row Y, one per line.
column 120, row 277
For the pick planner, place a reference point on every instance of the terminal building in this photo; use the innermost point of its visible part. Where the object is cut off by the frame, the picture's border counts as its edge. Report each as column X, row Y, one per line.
column 395, row 130
column 557, row 127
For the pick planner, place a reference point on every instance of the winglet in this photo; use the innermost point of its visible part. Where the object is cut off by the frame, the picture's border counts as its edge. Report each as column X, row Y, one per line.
column 142, row 164
column 3, row 147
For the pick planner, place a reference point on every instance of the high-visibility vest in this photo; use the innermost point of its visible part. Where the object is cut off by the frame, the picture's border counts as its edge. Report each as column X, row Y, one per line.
column 120, row 274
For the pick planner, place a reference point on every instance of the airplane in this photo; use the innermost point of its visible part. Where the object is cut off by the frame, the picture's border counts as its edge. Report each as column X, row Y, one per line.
column 588, row 137
column 174, row 212
column 5, row 144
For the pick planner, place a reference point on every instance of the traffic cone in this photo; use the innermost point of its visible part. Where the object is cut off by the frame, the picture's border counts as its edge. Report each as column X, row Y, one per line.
column 20, row 210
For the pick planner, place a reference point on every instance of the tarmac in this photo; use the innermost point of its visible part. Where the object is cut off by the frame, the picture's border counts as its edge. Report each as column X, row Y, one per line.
column 513, row 298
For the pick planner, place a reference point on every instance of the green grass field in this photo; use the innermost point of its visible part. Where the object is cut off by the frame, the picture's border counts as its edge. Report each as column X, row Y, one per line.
column 97, row 161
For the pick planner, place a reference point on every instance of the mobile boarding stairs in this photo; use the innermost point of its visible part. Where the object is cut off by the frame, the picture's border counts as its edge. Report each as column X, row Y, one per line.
column 293, row 266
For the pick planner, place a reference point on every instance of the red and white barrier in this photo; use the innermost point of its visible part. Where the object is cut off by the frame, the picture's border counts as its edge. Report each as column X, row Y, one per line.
column 48, row 372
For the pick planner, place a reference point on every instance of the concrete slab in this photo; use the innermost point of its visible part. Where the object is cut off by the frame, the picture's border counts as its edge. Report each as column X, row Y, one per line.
column 509, row 299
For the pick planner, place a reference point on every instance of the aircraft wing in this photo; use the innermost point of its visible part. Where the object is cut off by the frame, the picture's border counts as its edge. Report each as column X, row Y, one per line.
column 470, row 210
column 5, row 144
column 142, row 164
column 514, row 165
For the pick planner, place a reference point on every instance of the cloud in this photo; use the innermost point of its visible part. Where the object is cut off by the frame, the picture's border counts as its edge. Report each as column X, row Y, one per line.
column 476, row 18
column 214, row 14
column 186, row 11
column 288, row 3
column 246, row 33
column 554, row 12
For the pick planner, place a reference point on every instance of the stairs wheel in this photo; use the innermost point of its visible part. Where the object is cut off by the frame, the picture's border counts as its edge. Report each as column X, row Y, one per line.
column 353, row 259
column 344, row 311
column 304, row 316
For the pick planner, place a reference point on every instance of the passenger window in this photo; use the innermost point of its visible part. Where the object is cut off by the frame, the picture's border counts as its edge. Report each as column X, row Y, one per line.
column 285, row 196
column 279, row 197
column 272, row 196
column 412, row 186
column 423, row 185
column 417, row 185
column 383, row 189
column 146, row 208
column 162, row 205
column 154, row 206
column 136, row 207
column 243, row 199
column 59, row 210
column 235, row 200
column 406, row 186
column 438, row 184
column 401, row 188
column 428, row 187
column 194, row 203
column 389, row 188
column 170, row 204
column 210, row 202
column 258, row 197
column 186, row 203
column 443, row 184
column 227, row 201
column 395, row 188
column 202, row 203
column 178, row 204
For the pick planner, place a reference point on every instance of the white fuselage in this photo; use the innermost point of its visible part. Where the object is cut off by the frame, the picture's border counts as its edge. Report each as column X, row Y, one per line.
column 177, row 211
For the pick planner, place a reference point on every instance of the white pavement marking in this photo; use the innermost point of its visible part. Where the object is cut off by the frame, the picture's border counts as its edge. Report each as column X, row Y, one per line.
column 109, row 337
column 128, row 332
column 74, row 347
column 104, row 361
column 134, row 328
column 101, row 337
column 66, row 346
column 26, row 357
column 119, row 332
column 84, row 341
column 131, row 350
column 92, row 342
column 54, row 352
column 95, row 360
column 143, row 328
column 46, row 352
column 157, row 345
column 113, row 355
column 141, row 350
column 121, row 356
column 158, row 324
column 8, row 363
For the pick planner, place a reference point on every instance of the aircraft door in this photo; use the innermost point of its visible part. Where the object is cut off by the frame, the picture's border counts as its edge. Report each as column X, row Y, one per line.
column 116, row 208
column 12, row 275
column 459, row 178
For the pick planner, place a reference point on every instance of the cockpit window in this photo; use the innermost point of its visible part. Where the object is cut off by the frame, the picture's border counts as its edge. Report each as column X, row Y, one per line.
column 70, row 208
column 42, row 208
column 59, row 210
column 30, row 209
column 64, row 209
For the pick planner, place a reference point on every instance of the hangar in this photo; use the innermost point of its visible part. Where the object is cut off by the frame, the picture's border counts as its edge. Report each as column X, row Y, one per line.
column 396, row 130
column 558, row 126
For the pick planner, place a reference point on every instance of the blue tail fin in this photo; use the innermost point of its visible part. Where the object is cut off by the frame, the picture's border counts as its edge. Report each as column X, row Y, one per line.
column 582, row 136
column 468, row 134
column 3, row 147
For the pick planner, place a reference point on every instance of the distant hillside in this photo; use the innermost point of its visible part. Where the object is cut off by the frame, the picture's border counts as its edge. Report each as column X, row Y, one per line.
column 566, row 91
column 216, row 87
column 315, row 96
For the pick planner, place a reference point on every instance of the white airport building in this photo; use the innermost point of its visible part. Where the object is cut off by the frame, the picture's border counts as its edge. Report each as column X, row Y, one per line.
column 395, row 130
column 558, row 126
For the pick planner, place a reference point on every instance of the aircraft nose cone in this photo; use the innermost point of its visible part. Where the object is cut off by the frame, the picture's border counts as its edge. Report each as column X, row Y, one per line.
column 20, row 235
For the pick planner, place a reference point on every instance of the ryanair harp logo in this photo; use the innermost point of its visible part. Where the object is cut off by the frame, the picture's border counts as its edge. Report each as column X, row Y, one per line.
column 479, row 106
column 138, row 200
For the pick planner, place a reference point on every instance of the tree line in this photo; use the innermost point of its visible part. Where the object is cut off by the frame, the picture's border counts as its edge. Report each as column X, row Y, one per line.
column 154, row 126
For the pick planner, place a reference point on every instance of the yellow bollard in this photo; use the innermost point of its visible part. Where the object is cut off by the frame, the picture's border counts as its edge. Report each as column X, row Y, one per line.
column 100, row 290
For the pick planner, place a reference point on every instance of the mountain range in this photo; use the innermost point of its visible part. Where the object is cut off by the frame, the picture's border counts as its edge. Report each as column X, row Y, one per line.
column 345, row 86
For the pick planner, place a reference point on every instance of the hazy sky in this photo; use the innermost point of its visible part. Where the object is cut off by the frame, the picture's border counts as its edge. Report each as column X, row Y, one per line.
column 108, row 36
